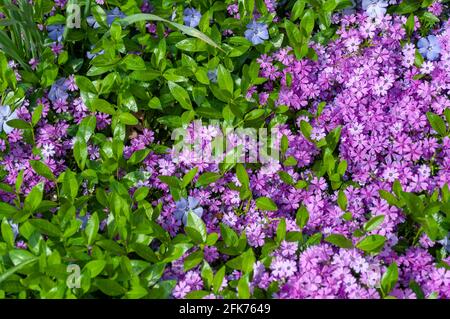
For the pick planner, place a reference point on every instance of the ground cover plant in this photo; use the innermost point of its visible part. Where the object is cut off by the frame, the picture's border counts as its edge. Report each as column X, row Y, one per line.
column 117, row 180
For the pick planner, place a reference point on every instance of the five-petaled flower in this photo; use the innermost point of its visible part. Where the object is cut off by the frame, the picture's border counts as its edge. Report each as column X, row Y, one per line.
column 191, row 17
column 429, row 47
column 55, row 32
column 375, row 8
column 184, row 206
column 256, row 32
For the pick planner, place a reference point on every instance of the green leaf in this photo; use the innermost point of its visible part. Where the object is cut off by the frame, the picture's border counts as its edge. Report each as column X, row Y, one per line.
column 189, row 177
column 187, row 30
column 229, row 235
column 196, row 223
column 307, row 22
column 243, row 287
column 180, row 94
column 389, row 279
column 134, row 62
column 191, row 45
column 138, row 156
column 388, row 197
column 7, row 233
column 128, row 118
column 103, row 106
column 95, row 267
column 19, row 124
column 84, row 84
column 7, row 209
column 218, row 280
column 37, row 113
column 372, row 243
column 342, row 200
column 45, row 227
column 110, row 287
column 265, row 203
column 141, row 193
column 302, row 217
column 281, row 231
column 193, row 260
column 242, row 175
column 145, row 252
column 306, row 128
column 42, row 169
column 224, row 79
column 297, row 10
column 207, row 178
column 437, row 123
column 80, row 152
column 339, row 240
column 34, row 198
column 202, row 76
column 172, row 181
column 86, row 128
column 92, row 228
column 17, row 268
column 374, row 223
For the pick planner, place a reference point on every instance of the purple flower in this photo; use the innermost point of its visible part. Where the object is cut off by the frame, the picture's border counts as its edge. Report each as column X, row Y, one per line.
column 429, row 47
column 184, row 206
column 256, row 32
column 55, row 32
column 191, row 17
column 6, row 115
column 58, row 91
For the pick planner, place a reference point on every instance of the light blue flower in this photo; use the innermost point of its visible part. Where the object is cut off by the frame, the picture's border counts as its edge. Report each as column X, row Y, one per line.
column 212, row 75
column 191, row 17
column 184, row 206
column 5, row 116
column 445, row 243
column 114, row 14
column 58, row 91
column 375, row 8
column 90, row 55
column 429, row 47
column 15, row 229
column 55, row 32
column 92, row 22
column 256, row 32
column 84, row 220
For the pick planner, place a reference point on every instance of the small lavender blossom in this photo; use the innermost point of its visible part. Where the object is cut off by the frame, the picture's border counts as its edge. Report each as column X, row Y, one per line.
column 6, row 115
column 429, row 47
column 375, row 8
column 58, row 91
column 113, row 14
column 256, row 32
column 55, row 32
column 21, row 245
column 184, row 206
column 191, row 17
